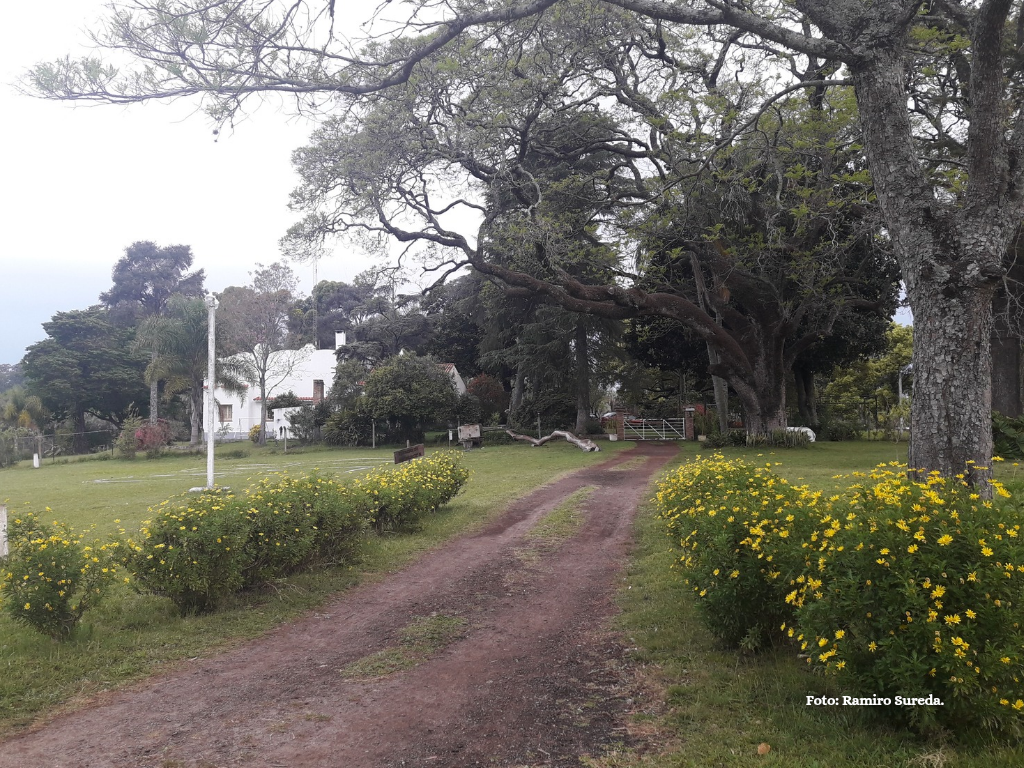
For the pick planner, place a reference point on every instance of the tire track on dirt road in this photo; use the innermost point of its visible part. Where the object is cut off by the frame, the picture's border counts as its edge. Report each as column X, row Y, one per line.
column 532, row 676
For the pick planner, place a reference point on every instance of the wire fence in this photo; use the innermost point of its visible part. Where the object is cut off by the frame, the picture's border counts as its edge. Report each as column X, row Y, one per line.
column 17, row 445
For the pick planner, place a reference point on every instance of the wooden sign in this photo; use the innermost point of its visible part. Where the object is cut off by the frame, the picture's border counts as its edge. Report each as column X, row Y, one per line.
column 469, row 432
column 407, row 454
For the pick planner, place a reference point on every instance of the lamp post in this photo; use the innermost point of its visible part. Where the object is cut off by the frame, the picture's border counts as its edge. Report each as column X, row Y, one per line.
column 211, row 373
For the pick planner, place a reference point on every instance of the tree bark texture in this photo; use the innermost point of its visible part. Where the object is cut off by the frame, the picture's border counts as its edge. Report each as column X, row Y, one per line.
column 582, row 347
column 950, row 260
column 195, row 414
column 154, row 395
column 806, row 401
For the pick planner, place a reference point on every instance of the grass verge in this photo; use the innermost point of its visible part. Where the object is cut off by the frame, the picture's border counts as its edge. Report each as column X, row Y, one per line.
column 131, row 635
column 418, row 641
column 708, row 707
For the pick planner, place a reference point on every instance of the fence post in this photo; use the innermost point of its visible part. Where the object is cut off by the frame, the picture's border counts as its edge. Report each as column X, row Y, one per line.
column 3, row 530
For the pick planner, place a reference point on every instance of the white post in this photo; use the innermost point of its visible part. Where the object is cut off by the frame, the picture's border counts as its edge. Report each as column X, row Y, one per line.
column 211, row 374
column 3, row 530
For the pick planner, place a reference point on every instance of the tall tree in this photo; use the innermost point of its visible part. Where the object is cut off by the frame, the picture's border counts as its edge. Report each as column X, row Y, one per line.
column 85, row 365
column 145, row 279
column 945, row 145
column 331, row 306
column 253, row 328
column 410, row 391
column 180, row 338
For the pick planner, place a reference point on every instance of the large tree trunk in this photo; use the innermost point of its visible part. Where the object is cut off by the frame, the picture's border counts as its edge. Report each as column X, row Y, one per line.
column 721, row 390
column 806, row 402
column 263, row 410
column 518, row 388
column 1006, row 345
column 79, row 442
column 582, row 377
column 196, row 404
column 154, row 395
column 763, row 391
column 951, row 259
column 950, row 413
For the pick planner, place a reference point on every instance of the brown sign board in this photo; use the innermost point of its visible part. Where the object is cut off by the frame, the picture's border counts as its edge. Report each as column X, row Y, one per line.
column 407, row 454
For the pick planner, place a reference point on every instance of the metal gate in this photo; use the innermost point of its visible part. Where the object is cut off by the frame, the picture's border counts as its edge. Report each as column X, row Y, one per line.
column 654, row 429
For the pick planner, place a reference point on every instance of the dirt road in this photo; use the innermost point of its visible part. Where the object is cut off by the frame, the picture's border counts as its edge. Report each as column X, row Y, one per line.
column 492, row 650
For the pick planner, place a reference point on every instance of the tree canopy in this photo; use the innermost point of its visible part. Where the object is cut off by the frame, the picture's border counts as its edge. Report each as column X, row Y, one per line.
column 937, row 88
column 86, row 365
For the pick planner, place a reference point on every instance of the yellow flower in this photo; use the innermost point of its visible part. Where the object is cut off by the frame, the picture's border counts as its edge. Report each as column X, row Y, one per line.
column 954, row 619
column 945, row 540
column 840, row 634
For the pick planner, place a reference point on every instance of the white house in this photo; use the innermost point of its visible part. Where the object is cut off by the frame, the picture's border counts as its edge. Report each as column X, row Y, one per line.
column 307, row 372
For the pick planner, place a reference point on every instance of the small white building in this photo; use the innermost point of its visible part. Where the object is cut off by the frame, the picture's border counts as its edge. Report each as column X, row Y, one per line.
column 307, row 372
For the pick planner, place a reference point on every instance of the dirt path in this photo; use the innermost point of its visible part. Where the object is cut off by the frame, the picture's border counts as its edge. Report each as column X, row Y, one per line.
column 507, row 659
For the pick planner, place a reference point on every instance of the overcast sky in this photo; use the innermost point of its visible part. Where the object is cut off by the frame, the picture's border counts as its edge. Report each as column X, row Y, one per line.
column 81, row 183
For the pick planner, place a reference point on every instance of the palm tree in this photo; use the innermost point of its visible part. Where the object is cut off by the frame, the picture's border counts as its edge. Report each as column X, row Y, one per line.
column 178, row 339
column 20, row 410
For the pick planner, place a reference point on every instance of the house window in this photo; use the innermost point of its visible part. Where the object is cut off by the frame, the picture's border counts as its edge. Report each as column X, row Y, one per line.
column 224, row 412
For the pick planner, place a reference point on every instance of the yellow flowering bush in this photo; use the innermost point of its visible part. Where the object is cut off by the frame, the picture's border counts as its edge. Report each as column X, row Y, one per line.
column 918, row 589
column 296, row 522
column 282, row 527
column 199, row 549
column 735, row 524
column 191, row 550
column 397, row 498
column 51, row 575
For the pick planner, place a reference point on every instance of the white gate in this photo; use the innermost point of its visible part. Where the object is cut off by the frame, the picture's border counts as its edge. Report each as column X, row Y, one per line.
column 655, row 429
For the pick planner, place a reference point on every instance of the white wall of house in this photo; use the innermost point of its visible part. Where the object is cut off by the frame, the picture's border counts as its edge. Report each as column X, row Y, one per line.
column 310, row 379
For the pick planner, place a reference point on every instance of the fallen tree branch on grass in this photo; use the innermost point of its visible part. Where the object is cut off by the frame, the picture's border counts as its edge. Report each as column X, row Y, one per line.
column 582, row 443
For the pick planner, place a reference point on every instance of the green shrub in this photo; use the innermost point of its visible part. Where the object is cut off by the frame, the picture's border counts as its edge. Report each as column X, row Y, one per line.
column 51, row 577
column 281, row 533
column 254, row 433
column 917, row 590
column 735, row 525
column 192, row 551
column 839, row 431
column 298, row 521
column 127, row 443
column 396, row 498
column 734, row 438
column 779, row 438
column 198, row 550
column 339, row 521
column 1007, row 436
column 496, row 437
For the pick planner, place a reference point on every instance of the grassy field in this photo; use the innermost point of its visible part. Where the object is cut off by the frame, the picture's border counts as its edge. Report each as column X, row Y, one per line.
column 130, row 635
column 712, row 707
column 708, row 707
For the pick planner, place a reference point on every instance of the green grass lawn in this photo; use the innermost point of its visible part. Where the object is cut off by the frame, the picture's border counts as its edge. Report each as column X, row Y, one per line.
column 714, row 707
column 131, row 635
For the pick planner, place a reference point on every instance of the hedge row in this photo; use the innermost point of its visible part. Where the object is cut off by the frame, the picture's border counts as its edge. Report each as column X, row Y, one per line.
column 199, row 549
column 894, row 587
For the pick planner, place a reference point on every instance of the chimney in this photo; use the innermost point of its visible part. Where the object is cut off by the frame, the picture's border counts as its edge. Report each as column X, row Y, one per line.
column 339, row 339
column 318, row 390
